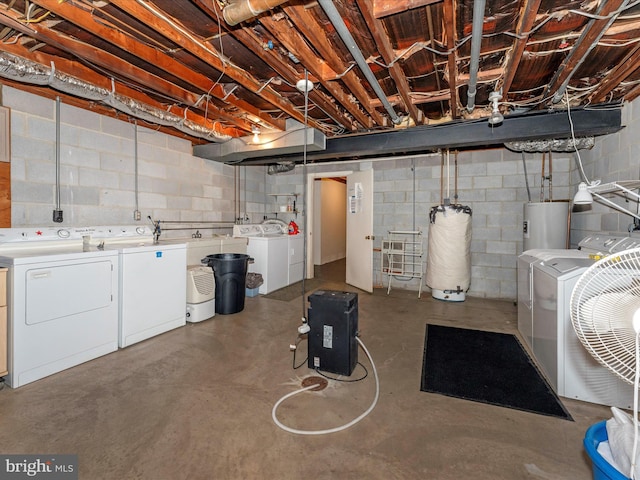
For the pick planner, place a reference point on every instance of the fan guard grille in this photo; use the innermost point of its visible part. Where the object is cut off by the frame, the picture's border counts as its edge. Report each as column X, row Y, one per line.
column 603, row 304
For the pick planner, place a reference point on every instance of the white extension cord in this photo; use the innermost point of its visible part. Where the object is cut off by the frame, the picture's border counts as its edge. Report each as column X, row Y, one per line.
column 330, row 430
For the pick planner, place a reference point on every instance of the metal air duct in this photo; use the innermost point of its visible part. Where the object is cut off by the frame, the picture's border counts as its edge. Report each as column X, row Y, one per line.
column 237, row 12
column 555, row 145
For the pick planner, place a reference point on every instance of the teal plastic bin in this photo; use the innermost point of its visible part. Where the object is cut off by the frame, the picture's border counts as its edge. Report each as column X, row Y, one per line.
column 602, row 470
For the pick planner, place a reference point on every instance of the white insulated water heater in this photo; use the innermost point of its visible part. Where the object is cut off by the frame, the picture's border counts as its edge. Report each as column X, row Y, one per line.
column 449, row 256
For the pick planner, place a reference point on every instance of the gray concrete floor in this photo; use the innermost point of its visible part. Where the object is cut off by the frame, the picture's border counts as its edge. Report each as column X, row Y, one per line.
column 195, row 403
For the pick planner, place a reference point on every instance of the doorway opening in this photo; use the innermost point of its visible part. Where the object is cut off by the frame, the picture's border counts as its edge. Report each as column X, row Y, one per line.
column 356, row 206
column 330, row 227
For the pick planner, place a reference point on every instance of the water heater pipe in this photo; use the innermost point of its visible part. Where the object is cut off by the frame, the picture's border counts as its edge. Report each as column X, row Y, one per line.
column 238, row 12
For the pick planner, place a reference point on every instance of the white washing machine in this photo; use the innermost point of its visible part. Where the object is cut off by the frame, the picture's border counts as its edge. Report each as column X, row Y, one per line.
column 152, row 282
column 268, row 245
column 546, row 279
column 62, row 298
column 525, row 284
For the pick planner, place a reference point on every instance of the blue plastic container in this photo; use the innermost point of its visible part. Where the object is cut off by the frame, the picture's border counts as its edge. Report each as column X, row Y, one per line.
column 602, row 470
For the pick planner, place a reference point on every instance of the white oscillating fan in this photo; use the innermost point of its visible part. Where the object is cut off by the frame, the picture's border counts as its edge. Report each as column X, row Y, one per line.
column 605, row 313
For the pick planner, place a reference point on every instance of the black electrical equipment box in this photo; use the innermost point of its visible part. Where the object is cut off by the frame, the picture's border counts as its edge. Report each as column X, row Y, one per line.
column 333, row 322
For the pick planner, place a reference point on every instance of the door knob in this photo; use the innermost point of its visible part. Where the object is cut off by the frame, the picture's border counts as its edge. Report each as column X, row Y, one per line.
column 370, row 237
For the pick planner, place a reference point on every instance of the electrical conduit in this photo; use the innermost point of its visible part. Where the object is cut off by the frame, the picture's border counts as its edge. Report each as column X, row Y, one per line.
column 338, row 23
column 474, row 62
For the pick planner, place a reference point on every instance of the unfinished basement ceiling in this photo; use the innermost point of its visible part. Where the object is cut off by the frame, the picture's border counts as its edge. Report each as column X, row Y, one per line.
column 181, row 65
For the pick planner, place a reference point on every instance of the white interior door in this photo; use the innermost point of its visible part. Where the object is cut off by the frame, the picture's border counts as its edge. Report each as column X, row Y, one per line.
column 310, row 213
column 360, row 230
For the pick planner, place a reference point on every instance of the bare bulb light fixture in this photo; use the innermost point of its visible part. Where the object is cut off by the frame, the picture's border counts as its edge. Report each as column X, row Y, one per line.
column 256, row 135
column 304, row 85
column 496, row 117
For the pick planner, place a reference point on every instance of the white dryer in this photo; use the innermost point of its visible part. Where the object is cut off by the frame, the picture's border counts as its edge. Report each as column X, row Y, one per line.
column 62, row 298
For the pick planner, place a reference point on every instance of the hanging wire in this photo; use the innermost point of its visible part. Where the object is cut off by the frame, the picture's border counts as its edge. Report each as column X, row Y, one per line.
column 304, row 186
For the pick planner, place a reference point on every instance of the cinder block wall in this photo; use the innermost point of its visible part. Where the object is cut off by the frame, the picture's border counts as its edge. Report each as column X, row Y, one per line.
column 97, row 184
column 97, row 171
column 614, row 157
column 491, row 182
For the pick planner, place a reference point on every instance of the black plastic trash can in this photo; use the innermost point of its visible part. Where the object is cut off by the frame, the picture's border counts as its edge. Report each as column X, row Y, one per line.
column 230, row 273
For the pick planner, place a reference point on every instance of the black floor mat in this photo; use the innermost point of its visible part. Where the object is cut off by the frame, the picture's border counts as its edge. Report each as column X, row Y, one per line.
column 486, row 367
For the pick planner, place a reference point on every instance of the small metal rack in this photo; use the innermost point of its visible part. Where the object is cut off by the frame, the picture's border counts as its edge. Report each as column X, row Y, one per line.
column 402, row 256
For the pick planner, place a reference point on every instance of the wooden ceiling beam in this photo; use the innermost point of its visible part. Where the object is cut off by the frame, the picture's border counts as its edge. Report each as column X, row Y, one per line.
column 386, row 50
column 417, row 98
column 249, row 39
column 104, row 59
column 629, row 64
column 434, row 59
column 308, row 26
column 85, row 20
column 384, row 8
column 197, row 47
column 526, row 20
column 587, row 41
column 632, row 94
column 296, row 44
column 449, row 18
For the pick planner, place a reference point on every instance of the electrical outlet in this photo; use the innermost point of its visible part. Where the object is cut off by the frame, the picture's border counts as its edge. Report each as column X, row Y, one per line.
column 137, row 215
column 57, row 216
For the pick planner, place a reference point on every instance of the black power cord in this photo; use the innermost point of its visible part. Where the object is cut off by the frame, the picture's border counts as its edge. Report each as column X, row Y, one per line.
column 366, row 373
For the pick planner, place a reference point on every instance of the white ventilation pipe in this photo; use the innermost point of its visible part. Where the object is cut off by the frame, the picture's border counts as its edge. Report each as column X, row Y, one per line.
column 476, row 41
column 338, row 23
column 237, row 12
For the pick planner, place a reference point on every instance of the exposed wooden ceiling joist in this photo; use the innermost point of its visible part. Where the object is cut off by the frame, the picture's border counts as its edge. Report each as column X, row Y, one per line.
column 590, row 35
column 273, row 58
column 226, row 79
column 310, row 29
column 295, row 43
column 448, row 9
column 196, row 46
column 386, row 50
column 383, row 8
column 85, row 20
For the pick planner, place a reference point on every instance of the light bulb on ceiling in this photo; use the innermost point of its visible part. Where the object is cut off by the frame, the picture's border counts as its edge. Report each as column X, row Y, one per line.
column 256, row 135
column 304, row 86
column 496, row 117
